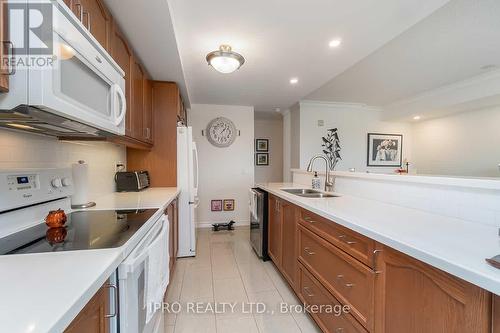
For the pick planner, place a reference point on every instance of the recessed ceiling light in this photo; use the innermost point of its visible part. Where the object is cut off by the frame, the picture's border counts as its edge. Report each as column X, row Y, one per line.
column 225, row 60
column 416, row 118
column 294, row 80
column 335, row 42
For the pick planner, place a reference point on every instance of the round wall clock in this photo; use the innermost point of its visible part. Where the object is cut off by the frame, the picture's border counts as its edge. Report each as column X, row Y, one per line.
column 221, row 132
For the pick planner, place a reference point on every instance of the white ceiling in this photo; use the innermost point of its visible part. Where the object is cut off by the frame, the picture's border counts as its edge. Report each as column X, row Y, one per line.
column 279, row 39
column 449, row 46
column 149, row 29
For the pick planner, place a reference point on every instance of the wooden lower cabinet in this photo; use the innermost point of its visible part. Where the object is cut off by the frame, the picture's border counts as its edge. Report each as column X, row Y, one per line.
column 173, row 218
column 386, row 291
column 412, row 296
column 330, row 315
column 496, row 314
column 274, row 236
column 289, row 261
column 93, row 316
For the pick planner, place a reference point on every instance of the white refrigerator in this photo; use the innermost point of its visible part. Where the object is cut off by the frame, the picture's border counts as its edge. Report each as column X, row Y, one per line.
column 187, row 182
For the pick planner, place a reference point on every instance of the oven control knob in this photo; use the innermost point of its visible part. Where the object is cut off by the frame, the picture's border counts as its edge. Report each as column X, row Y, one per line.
column 66, row 181
column 56, row 182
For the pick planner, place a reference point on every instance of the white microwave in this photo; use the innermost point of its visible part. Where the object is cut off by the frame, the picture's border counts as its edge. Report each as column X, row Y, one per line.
column 83, row 90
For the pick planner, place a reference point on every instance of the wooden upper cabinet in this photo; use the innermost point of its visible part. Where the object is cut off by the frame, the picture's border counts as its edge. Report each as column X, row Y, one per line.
column 147, row 118
column 289, row 242
column 274, row 228
column 414, row 297
column 98, row 21
column 4, row 48
column 137, row 103
column 93, row 317
column 122, row 54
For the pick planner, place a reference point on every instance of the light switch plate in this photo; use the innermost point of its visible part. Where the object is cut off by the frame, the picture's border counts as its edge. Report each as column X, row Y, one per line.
column 321, row 123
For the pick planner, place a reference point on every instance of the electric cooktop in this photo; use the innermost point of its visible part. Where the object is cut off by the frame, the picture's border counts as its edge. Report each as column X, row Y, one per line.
column 84, row 230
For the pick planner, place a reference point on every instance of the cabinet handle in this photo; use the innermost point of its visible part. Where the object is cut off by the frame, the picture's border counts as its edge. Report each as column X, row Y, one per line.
column 340, row 277
column 308, row 293
column 339, row 330
column 79, row 7
column 349, row 285
column 88, row 19
column 308, row 219
column 309, row 252
column 148, row 133
column 344, row 239
column 375, row 255
column 10, row 57
column 115, row 296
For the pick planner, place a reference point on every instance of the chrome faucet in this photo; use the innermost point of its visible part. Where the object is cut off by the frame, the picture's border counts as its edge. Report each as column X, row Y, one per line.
column 328, row 181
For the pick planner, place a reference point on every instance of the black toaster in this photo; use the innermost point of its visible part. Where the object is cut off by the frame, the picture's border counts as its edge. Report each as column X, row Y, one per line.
column 131, row 181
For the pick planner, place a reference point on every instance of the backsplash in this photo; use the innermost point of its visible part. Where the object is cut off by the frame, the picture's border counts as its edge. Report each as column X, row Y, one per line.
column 470, row 204
column 21, row 150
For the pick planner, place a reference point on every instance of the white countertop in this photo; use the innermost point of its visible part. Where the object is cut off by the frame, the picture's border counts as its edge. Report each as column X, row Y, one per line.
column 45, row 292
column 452, row 245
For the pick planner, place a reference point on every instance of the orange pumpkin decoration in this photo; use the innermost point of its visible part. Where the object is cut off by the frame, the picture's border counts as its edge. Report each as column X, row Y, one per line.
column 56, row 235
column 56, row 218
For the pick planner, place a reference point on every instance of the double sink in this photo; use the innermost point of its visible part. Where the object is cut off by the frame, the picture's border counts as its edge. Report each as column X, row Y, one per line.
column 308, row 193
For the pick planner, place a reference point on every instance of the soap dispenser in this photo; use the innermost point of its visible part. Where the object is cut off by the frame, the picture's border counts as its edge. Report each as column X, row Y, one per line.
column 316, row 182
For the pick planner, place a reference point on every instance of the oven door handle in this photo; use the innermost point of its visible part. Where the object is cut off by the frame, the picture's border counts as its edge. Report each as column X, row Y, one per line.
column 133, row 260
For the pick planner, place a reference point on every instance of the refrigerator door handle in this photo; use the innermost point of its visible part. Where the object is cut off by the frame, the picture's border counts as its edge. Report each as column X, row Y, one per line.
column 195, row 155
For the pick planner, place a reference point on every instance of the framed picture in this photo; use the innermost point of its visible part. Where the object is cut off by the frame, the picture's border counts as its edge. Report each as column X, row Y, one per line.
column 216, row 205
column 385, row 150
column 261, row 144
column 261, row 159
column 228, row 204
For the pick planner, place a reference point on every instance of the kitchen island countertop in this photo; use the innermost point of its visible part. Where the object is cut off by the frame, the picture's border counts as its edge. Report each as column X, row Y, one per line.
column 455, row 246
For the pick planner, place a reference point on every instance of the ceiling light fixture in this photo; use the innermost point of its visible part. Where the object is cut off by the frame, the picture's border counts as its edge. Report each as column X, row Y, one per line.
column 294, row 80
column 335, row 42
column 225, row 60
column 416, row 118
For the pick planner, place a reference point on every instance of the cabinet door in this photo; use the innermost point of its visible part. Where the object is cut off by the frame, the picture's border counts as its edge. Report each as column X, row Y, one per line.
column 496, row 314
column 147, row 117
column 97, row 19
column 93, row 316
column 274, row 228
column 4, row 70
column 289, row 242
column 122, row 54
column 413, row 297
column 137, row 100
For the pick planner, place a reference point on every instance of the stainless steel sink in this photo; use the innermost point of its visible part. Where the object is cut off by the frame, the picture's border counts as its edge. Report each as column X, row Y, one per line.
column 308, row 193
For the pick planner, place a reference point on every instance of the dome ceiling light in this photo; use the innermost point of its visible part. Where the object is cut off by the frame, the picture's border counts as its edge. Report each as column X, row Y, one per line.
column 225, row 60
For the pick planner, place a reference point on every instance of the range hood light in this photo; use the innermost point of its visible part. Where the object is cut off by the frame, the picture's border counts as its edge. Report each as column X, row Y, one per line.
column 24, row 127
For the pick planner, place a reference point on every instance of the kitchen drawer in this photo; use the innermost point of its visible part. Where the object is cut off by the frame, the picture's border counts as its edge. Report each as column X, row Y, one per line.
column 313, row 293
column 347, row 279
column 358, row 246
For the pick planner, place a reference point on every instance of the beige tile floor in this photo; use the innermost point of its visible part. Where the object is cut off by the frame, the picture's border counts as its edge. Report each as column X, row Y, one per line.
column 227, row 270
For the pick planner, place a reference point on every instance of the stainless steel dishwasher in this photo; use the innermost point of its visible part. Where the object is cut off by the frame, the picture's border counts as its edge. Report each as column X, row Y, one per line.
column 258, row 222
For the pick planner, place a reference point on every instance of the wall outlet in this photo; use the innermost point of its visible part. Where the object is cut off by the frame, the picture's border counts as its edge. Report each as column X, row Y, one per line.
column 119, row 166
column 321, row 123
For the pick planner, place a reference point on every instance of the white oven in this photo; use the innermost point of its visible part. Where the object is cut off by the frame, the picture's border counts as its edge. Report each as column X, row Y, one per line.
column 132, row 285
column 84, row 83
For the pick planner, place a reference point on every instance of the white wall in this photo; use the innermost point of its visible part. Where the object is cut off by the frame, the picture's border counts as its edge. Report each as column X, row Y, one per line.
column 22, row 150
column 354, row 122
column 270, row 127
column 225, row 173
column 295, row 130
column 464, row 144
